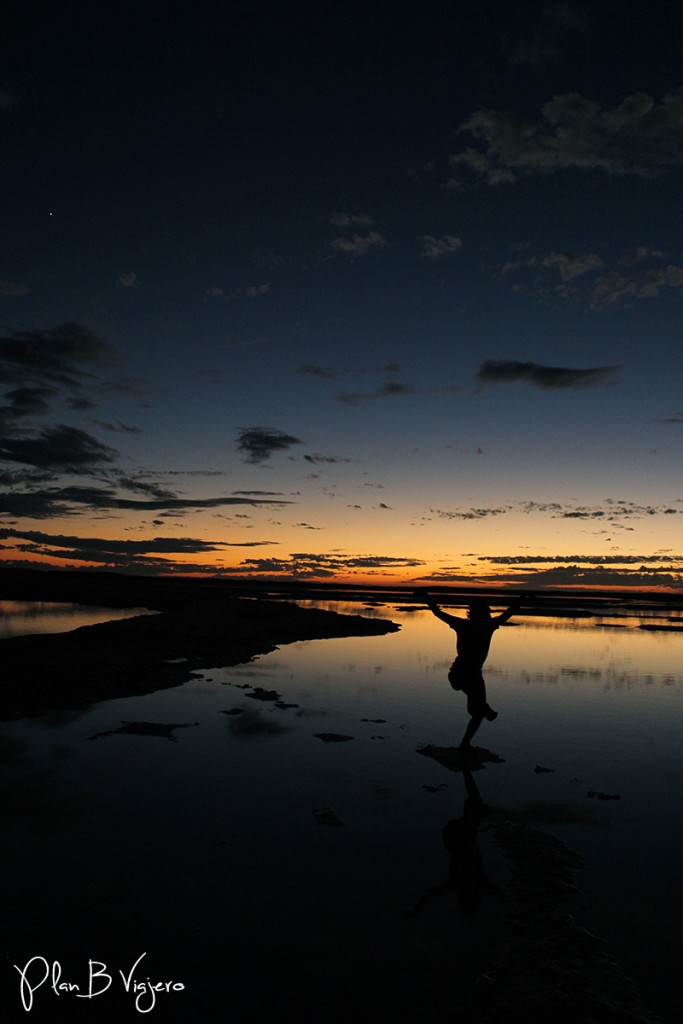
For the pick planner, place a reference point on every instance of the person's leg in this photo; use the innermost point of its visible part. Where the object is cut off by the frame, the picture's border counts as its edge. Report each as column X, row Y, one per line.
column 474, row 723
column 487, row 710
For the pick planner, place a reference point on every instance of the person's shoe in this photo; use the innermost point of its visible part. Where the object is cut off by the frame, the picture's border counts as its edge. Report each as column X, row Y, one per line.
column 490, row 715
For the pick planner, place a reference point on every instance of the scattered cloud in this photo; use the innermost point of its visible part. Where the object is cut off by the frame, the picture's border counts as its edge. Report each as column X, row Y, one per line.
column 257, row 444
column 323, row 566
column 640, row 253
column 55, row 356
column 260, row 494
column 330, row 373
column 573, row 575
column 610, row 511
column 80, row 403
column 571, row 266
column 343, row 220
column 118, row 427
column 24, row 402
column 615, row 287
column 550, row 377
column 322, row 372
column 152, row 553
column 358, row 245
column 59, row 448
column 436, row 248
column 252, row 291
column 610, row 559
column 638, row 136
column 389, row 390
column 583, row 576
column 332, row 459
column 471, row 513
column 127, row 280
column 44, row 502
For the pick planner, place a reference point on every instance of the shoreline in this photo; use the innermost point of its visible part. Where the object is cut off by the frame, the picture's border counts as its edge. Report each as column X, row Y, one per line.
column 111, row 589
column 193, row 629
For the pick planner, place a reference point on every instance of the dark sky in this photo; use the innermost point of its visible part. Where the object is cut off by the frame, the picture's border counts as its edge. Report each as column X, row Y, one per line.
column 353, row 290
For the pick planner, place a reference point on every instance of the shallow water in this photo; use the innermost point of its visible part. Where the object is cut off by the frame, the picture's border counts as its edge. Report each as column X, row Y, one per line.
column 266, row 869
column 23, row 618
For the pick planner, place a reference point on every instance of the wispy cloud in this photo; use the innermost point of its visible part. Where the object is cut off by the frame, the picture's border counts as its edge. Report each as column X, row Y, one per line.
column 343, row 220
column 322, row 372
column 257, row 444
column 434, row 248
column 56, row 356
column 252, row 291
column 23, row 403
column 611, row 510
column 389, row 390
column 324, row 565
column 615, row 287
column 471, row 513
column 359, row 245
column 549, row 377
column 54, row 501
column 331, row 459
column 638, row 136
column 118, row 427
column 153, row 553
column 571, row 266
column 59, row 448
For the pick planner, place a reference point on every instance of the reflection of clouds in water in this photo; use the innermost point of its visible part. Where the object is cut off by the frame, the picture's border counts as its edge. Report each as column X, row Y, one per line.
column 251, row 724
column 21, row 618
column 30, row 796
column 270, row 668
column 608, row 679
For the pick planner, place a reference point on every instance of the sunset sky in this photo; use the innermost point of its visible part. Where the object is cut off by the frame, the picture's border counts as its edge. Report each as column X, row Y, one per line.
column 363, row 292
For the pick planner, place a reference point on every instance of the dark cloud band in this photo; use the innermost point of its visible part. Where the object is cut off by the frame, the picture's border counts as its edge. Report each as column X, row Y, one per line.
column 551, row 377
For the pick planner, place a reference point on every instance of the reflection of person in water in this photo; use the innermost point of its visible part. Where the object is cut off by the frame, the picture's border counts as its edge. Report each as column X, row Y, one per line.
column 466, row 873
column 473, row 641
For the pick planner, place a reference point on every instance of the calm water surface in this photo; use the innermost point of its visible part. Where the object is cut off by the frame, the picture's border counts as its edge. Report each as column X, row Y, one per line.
column 266, row 869
column 23, row 618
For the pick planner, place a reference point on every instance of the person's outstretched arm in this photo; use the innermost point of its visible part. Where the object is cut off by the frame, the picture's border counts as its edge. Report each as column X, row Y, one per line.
column 450, row 620
column 513, row 609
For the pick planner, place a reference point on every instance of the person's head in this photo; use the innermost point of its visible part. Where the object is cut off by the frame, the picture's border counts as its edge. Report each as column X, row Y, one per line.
column 478, row 610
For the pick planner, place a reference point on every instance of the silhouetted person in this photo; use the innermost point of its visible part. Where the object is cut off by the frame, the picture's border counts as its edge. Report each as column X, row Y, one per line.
column 473, row 641
column 466, row 872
